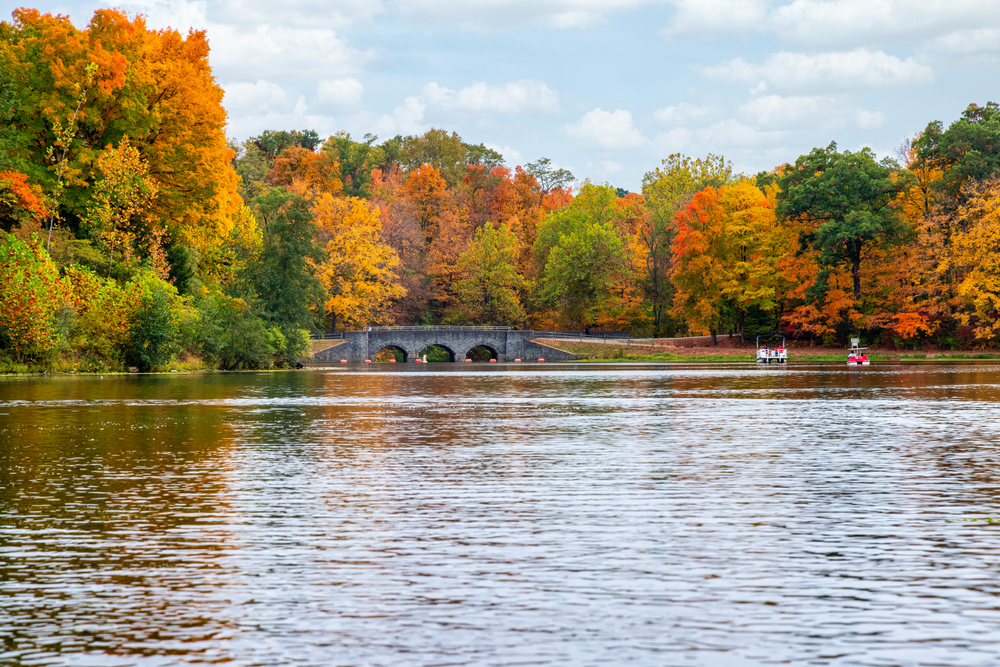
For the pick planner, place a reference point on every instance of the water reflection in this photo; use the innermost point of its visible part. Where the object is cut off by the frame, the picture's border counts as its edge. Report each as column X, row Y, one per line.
column 652, row 514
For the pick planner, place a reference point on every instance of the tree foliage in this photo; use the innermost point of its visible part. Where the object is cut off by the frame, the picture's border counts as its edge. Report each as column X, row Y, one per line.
column 490, row 292
column 847, row 195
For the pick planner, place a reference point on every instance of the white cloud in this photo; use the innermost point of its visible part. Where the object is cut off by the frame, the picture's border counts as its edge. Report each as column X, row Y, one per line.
column 869, row 22
column 490, row 15
column 840, row 24
column 803, row 112
column 610, row 130
column 299, row 13
column 707, row 19
column 982, row 43
column 676, row 140
column 334, row 95
column 684, row 113
column 270, row 46
column 869, row 120
column 516, row 97
column 407, row 118
column 511, row 156
column 611, row 167
column 259, row 98
column 845, row 70
column 293, row 13
column 777, row 112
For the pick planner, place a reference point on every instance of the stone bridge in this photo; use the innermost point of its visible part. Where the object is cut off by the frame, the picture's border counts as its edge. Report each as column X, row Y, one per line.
column 503, row 343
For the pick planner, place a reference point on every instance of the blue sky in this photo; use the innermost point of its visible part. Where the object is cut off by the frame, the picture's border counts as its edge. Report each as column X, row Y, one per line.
column 605, row 88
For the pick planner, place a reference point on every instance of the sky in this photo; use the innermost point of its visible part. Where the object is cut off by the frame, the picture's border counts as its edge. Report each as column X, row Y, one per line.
column 604, row 88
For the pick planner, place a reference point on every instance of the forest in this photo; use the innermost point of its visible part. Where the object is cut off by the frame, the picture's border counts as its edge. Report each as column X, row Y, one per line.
column 135, row 234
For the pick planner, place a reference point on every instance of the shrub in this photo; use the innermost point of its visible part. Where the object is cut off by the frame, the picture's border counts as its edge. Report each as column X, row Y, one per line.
column 32, row 294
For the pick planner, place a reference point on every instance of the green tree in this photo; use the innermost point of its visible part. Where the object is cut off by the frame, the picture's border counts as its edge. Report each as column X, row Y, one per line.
column 251, row 164
column 491, row 292
column 283, row 276
column 666, row 190
column 446, row 153
column 356, row 160
column 581, row 253
column 548, row 177
column 848, row 195
column 154, row 329
column 272, row 142
column 969, row 150
column 584, row 269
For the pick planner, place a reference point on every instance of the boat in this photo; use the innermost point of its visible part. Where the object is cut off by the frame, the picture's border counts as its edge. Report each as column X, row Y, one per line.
column 767, row 354
column 856, row 356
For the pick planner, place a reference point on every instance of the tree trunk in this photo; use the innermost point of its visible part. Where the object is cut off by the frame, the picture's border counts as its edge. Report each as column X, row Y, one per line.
column 715, row 340
column 741, row 323
column 856, row 268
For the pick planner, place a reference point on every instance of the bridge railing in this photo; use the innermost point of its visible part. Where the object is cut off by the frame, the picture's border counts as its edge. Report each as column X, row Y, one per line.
column 339, row 335
column 582, row 335
column 604, row 335
column 335, row 335
column 437, row 327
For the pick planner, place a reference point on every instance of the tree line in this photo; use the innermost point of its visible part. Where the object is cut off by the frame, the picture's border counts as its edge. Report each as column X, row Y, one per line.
column 134, row 233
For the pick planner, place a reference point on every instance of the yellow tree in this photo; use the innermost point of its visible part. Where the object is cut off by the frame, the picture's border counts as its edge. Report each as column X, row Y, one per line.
column 726, row 254
column 116, row 215
column 975, row 258
column 757, row 242
column 358, row 269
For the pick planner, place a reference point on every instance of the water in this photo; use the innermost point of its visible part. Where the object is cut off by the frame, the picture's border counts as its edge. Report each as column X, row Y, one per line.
column 676, row 514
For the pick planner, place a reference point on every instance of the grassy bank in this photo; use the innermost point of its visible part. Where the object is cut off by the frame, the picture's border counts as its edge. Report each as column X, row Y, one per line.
column 602, row 352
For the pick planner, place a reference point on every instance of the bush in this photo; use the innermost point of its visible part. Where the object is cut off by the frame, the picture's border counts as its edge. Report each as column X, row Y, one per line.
column 32, row 294
column 153, row 334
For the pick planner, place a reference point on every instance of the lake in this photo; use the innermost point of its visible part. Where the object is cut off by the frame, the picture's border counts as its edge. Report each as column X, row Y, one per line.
column 646, row 514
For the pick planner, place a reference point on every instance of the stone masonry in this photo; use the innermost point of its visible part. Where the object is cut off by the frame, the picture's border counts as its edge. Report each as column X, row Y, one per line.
column 503, row 345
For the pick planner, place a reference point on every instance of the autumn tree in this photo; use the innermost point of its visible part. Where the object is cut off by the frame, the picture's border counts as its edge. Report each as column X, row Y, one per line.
column 154, row 86
column 32, row 294
column 446, row 153
column 428, row 191
column 726, row 251
column 665, row 191
column 491, row 291
column 358, row 270
column 976, row 260
column 315, row 171
column 123, row 194
column 20, row 202
column 848, row 195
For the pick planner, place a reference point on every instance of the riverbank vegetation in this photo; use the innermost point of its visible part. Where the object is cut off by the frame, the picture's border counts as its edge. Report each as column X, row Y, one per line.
column 135, row 234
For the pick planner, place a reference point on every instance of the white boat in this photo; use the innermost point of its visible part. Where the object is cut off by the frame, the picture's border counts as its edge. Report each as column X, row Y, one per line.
column 856, row 356
column 767, row 354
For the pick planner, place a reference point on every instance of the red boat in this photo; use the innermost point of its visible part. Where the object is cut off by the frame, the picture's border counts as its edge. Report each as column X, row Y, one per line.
column 856, row 356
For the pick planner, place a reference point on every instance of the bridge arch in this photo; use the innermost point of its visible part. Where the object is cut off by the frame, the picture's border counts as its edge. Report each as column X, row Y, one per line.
column 392, row 347
column 489, row 347
column 452, row 356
